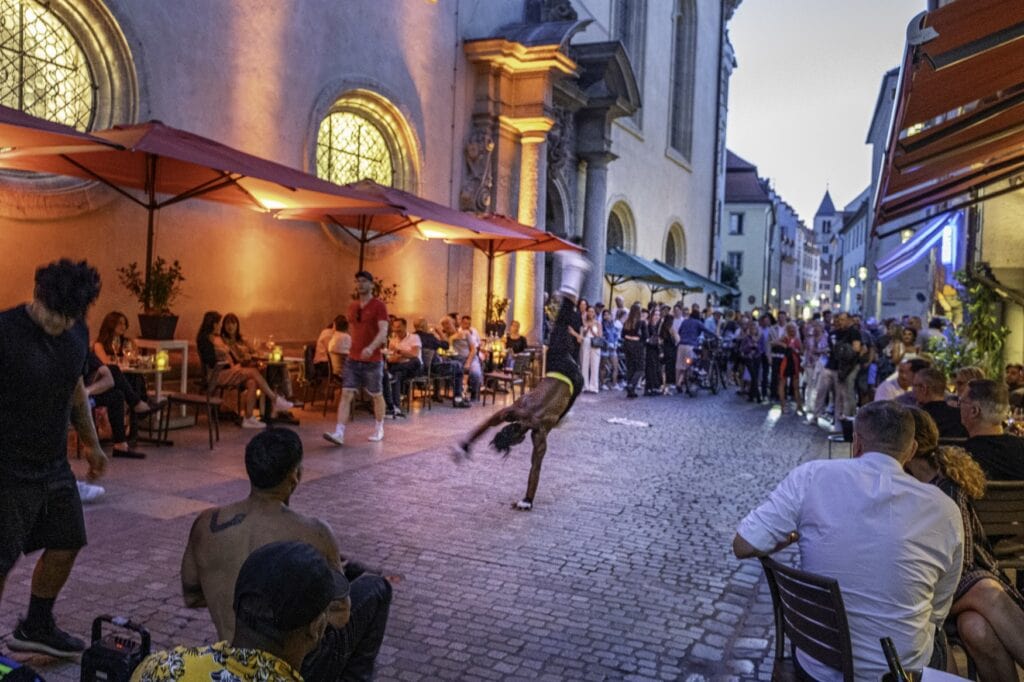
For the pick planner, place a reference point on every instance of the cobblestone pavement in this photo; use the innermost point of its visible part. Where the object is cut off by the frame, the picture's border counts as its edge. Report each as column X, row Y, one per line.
column 622, row 571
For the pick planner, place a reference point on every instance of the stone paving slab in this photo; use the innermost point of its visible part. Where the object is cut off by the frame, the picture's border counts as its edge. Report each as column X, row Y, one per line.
column 622, row 571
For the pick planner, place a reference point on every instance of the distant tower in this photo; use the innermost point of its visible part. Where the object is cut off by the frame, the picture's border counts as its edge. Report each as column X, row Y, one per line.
column 825, row 221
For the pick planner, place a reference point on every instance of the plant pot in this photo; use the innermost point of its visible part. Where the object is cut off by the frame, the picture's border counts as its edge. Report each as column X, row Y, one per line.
column 497, row 328
column 157, row 327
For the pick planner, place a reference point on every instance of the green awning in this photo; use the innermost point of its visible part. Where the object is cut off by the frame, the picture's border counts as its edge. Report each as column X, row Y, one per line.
column 620, row 267
column 699, row 282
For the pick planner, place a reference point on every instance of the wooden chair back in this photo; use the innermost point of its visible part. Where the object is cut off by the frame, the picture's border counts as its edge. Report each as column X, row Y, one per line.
column 809, row 611
column 337, row 363
column 1001, row 511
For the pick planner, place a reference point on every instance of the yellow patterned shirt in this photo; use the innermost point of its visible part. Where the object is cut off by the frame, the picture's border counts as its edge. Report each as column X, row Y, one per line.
column 217, row 663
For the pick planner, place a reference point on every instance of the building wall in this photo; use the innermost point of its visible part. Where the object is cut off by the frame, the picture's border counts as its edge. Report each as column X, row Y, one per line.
column 260, row 76
column 756, row 222
column 260, row 82
column 1001, row 245
column 659, row 188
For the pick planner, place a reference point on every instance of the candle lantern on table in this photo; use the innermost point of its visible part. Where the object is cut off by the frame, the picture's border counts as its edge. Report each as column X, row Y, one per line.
column 276, row 354
column 163, row 361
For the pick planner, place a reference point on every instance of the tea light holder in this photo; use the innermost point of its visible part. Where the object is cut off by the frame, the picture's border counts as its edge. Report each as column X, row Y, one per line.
column 163, row 361
column 276, row 354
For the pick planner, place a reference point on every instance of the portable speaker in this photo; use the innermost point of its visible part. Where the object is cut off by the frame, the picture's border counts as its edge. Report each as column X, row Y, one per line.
column 114, row 656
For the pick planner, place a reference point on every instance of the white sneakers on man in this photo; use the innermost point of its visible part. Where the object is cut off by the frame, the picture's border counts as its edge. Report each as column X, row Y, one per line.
column 280, row 404
column 378, row 433
column 337, row 436
column 89, row 492
column 253, row 423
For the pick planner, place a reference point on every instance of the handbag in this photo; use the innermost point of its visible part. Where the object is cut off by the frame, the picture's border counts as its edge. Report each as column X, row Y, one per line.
column 598, row 342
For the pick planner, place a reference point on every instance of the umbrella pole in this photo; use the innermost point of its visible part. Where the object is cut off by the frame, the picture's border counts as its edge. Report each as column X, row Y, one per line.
column 151, row 190
column 490, row 285
column 362, row 240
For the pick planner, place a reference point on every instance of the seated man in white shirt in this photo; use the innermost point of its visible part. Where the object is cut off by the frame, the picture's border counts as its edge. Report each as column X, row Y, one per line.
column 897, row 387
column 894, row 544
column 404, row 361
column 333, row 339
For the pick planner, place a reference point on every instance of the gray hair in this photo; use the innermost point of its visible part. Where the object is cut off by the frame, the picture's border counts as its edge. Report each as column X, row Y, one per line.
column 885, row 426
column 992, row 398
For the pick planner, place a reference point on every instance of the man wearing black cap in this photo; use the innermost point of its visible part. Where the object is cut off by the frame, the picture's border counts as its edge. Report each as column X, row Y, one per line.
column 284, row 598
column 368, row 326
column 221, row 538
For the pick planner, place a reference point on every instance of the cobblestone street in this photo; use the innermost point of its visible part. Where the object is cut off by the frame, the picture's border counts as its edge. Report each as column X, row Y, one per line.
column 622, row 571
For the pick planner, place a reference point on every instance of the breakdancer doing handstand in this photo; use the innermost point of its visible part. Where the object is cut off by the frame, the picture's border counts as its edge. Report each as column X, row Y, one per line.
column 542, row 409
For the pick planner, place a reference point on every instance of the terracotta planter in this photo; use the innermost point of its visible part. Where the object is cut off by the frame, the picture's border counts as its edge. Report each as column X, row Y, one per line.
column 157, row 327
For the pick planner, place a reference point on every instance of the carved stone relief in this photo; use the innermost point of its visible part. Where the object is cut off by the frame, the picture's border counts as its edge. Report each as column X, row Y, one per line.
column 478, row 186
column 543, row 11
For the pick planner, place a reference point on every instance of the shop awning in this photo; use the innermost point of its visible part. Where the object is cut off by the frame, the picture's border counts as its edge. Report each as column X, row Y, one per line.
column 620, row 267
column 958, row 121
column 947, row 225
column 700, row 283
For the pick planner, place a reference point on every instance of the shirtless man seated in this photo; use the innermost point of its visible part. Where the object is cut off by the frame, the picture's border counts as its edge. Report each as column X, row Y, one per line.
column 541, row 409
column 223, row 537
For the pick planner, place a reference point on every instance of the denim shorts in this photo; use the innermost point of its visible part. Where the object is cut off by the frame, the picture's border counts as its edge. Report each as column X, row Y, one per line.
column 358, row 374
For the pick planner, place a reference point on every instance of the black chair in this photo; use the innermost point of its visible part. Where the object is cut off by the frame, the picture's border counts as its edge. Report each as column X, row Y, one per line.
column 515, row 376
column 809, row 611
column 426, row 382
column 311, row 380
column 1001, row 512
column 206, row 399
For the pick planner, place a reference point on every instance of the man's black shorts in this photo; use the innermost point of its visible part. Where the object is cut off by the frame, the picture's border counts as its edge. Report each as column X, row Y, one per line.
column 39, row 516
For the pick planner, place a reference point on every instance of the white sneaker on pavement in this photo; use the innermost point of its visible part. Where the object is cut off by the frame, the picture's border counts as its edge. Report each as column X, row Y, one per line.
column 89, row 492
column 337, row 436
column 280, row 404
column 253, row 423
column 378, row 433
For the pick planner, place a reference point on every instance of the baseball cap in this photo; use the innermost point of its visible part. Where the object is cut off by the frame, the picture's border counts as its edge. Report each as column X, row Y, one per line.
column 364, row 274
column 285, row 585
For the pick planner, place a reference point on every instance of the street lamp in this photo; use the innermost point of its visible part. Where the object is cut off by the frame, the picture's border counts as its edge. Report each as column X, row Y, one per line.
column 862, row 273
column 853, row 282
column 839, row 288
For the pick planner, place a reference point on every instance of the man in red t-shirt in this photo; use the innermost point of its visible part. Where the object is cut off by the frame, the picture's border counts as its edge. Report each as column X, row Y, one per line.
column 368, row 326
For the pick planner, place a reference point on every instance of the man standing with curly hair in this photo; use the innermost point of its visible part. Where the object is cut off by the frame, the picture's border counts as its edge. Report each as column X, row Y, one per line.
column 43, row 348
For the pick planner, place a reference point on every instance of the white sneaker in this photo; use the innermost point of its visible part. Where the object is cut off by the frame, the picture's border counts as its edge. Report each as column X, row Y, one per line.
column 280, row 404
column 253, row 423
column 337, row 436
column 378, row 433
column 523, row 505
column 89, row 492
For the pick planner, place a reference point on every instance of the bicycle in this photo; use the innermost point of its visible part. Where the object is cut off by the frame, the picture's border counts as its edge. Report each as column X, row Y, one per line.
column 705, row 371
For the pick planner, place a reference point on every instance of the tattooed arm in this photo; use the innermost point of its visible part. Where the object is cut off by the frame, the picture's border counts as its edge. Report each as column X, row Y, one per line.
column 81, row 419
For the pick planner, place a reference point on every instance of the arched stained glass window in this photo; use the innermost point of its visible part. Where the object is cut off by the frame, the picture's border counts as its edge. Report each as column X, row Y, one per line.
column 43, row 70
column 350, row 148
column 675, row 246
column 616, row 238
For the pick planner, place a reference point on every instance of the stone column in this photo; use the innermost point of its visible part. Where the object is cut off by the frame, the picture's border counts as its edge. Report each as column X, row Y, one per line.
column 595, row 222
column 529, row 290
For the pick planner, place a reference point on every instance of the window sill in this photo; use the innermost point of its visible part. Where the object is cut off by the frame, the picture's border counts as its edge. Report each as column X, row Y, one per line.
column 675, row 157
column 627, row 124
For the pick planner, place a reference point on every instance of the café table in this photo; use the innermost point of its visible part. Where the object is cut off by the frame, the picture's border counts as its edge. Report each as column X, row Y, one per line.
column 274, row 373
column 175, row 345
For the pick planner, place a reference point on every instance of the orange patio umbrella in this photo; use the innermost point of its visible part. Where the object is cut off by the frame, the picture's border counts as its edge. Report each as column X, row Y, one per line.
column 178, row 165
column 399, row 211
column 525, row 238
column 21, row 132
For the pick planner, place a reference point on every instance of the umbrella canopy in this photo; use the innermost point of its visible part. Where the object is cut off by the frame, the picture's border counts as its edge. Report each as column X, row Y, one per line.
column 179, row 165
column 398, row 211
column 527, row 239
column 621, row 267
column 699, row 283
column 21, row 132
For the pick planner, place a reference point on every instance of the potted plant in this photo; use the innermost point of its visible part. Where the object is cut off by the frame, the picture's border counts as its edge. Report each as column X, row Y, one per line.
column 496, row 316
column 155, row 295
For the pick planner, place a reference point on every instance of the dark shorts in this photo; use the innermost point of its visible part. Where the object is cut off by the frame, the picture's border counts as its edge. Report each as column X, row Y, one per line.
column 358, row 374
column 39, row 516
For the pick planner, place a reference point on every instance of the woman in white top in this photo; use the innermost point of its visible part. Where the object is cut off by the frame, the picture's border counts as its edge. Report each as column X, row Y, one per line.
column 590, row 356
